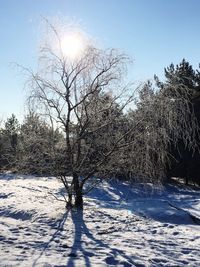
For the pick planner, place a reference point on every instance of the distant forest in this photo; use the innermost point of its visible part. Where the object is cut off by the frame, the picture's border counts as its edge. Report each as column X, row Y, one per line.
column 162, row 139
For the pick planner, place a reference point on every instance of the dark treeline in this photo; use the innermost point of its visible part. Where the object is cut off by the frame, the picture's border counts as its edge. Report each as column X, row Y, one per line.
column 164, row 140
column 184, row 161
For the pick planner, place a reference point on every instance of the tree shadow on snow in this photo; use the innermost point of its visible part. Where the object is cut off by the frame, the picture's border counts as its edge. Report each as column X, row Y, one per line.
column 57, row 233
column 80, row 249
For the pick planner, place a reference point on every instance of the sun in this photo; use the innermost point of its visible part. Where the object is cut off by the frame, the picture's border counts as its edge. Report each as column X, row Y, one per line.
column 72, row 45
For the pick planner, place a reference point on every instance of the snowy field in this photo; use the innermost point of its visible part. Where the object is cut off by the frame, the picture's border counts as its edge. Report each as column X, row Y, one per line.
column 120, row 226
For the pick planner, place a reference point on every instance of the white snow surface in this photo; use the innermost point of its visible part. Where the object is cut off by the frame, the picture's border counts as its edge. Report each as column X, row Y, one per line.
column 121, row 225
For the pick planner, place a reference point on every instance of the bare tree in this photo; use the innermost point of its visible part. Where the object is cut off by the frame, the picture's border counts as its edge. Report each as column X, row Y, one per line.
column 86, row 97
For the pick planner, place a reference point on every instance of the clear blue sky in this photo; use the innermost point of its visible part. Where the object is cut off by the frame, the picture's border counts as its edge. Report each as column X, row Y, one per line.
column 153, row 32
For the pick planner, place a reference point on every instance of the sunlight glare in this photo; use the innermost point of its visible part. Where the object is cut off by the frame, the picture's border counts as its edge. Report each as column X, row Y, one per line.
column 73, row 45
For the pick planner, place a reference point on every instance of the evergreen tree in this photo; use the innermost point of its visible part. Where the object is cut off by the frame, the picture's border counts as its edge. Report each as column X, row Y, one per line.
column 12, row 131
column 38, row 145
column 9, row 136
column 181, row 76
column 187, row 82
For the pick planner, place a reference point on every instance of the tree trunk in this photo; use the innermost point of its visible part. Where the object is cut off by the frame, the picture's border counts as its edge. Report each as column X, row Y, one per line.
column 69, row 202
column 78, row 192
column 187, row 174
column 79, row 200
column 186, row 180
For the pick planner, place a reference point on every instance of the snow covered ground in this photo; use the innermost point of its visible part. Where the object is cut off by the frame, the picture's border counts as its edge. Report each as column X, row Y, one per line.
column 121, row 225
